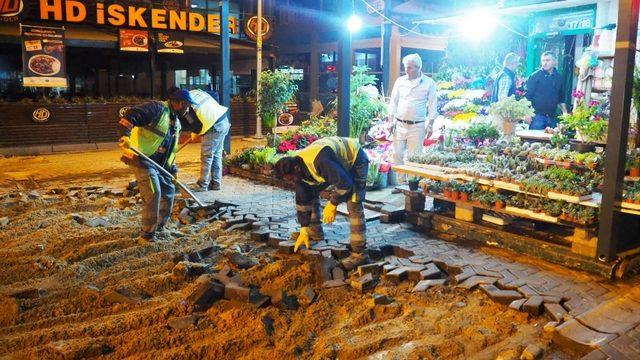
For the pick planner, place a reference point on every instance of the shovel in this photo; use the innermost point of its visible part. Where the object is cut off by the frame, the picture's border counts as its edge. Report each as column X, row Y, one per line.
column 182, row 186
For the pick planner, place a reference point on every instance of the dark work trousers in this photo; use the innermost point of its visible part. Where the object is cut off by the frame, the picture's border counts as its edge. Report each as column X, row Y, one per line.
column 308, row 204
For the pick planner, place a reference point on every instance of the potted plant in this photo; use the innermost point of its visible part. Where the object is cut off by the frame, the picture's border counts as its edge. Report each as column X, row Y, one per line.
column 589, row 124
column 414, row 183
column 633, row 164
column 499, row 202
column 366, row 103
column 276, row 88
column 510, row 111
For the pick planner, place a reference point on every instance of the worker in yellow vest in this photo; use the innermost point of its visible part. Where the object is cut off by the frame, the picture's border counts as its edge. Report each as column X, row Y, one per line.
column 154, row 129
column 336, row 161
column 208, row 119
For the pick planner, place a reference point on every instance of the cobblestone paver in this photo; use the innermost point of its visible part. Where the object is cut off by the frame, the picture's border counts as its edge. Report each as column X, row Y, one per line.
column 600, row 315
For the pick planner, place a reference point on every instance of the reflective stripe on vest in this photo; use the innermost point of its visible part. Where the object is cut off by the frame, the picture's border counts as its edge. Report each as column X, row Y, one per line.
column 148, row 139
column 207, row 109
column 346, row 150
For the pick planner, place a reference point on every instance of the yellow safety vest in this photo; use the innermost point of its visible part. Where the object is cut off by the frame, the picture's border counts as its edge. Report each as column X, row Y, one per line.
column 346, row 150
column 148, row 139
column 207, row 109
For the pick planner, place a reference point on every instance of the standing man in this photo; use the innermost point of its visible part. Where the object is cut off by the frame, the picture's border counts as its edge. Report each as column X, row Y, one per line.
column 545, row 90
column 207, row 118
column 505, row 83
column 336, row 161
column 153, row 128
column 413, row 109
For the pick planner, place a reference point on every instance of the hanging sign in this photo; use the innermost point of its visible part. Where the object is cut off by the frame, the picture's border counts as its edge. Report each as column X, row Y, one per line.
column 43, row 56
column 170, row 43
column 565, row 21
column 251, row 29
column 134, row 40
column 132, row 14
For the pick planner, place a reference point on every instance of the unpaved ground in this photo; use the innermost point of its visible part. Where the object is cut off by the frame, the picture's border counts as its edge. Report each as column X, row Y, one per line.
column 58, row 276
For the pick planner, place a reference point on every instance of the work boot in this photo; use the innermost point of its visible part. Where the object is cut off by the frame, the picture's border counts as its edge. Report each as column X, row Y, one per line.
column 214, row 187
column 200, row 188
column 354, row 260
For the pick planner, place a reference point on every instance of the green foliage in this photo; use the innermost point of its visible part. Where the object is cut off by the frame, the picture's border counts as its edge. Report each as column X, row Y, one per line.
column 276, row 88
column 255, row 156
column 364, row 106
column 482, row 130
column 636, row 89
column 585, row 120
column 559, row 140
column 511, row 109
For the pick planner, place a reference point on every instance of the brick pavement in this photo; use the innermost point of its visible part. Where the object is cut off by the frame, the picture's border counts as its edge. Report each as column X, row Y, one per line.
column 594, row 313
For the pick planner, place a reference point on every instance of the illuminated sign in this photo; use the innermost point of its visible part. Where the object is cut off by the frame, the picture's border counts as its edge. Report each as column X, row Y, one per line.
column 41, row 115
column 251, row 28
column 165, row 18
column 11, row 10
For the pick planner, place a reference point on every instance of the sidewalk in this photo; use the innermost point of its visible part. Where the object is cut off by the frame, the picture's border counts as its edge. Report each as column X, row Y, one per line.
column 595, row 314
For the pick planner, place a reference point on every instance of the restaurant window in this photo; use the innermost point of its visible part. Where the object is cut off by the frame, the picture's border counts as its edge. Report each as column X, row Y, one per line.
column 193, row 79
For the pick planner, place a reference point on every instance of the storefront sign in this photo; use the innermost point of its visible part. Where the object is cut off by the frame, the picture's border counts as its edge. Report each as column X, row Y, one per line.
column 123, row 111
column 251, row 28
column 43, row 56
column 134, row 40
column 170, row 43
column 41, row 115
column 566, row 21
column 12, row 10
column 131, row 14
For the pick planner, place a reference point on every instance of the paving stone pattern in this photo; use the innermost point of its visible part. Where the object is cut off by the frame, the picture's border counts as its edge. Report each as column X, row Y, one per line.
column 592, row 313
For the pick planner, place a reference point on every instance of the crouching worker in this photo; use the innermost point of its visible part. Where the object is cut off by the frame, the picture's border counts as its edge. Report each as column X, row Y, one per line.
column 333, row 161
column 153, row 129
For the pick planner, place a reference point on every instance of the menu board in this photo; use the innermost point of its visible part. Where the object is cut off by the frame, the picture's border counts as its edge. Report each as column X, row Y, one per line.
column 170, row 43
column 134, row 40
column 43, row 56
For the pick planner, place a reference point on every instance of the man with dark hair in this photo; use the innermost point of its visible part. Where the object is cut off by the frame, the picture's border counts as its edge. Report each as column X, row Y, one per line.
column 333, row 161
column 208, row 119
column 505, row 82
column 545, row 90
column 153, row 129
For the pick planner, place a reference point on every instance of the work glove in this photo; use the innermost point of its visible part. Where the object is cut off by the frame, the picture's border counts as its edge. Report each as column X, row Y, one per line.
column 329, row 213
column 125, row 143
column 303, row 238
column 194, row 137
column 174, row 171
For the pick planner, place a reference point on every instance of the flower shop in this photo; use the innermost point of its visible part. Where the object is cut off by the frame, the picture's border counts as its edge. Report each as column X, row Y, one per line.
column 482, row 173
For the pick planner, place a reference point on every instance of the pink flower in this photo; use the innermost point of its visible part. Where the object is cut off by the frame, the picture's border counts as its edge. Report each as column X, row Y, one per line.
column 577, row 94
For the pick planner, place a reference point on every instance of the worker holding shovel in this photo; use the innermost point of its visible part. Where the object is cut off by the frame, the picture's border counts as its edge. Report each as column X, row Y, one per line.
column 208, row 119
column 152, row 129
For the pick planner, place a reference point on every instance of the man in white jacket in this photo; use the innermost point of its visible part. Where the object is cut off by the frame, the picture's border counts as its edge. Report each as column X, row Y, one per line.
column 413, row 108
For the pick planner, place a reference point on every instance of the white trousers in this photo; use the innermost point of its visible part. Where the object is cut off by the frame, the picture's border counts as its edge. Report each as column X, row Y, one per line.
column 408, row 139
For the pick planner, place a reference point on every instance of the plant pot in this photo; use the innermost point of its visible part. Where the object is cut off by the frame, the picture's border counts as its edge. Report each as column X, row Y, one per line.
column 455, row 195
column 464, row 197
column 413, row 185
column 499, row 205
column 508, row 127
column 384, row 180
column 634, row 172
column 447, row 193
column 582, row 147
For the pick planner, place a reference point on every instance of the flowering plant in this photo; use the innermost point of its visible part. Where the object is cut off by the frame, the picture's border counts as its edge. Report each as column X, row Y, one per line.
column 297, row 142
column 381, row 131
column 588, row 120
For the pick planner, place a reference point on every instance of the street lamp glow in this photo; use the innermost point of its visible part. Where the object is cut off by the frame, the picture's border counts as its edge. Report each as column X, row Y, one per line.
column 354, row 24
column 477, row 25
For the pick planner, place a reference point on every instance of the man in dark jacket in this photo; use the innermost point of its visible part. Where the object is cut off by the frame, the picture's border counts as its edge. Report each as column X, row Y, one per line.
column 153, row 128
column 545, row 90
column 505, row 82
column 329, row 161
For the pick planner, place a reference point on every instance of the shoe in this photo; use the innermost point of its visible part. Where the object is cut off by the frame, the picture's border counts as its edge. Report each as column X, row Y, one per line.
column 199, row 187
column 214, row 187
column 354, row 260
